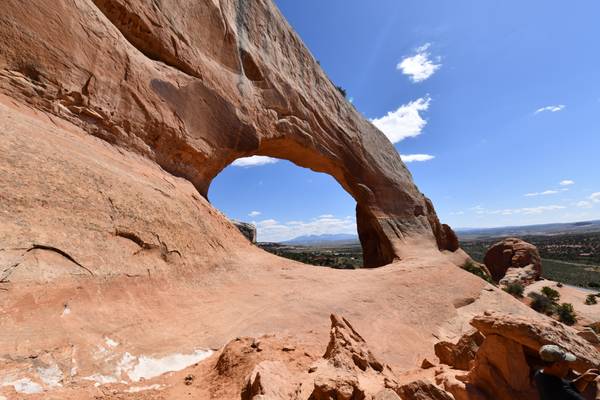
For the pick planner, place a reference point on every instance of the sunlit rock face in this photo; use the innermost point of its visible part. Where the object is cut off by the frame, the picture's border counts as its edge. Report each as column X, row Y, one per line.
column 194, row 85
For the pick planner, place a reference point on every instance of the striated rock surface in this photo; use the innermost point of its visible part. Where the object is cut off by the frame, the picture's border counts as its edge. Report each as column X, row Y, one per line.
column 194, row 85
column 513, row 260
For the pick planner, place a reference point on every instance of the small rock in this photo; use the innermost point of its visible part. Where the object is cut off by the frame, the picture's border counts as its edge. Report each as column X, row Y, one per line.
column 189, row 379
column 426, row 364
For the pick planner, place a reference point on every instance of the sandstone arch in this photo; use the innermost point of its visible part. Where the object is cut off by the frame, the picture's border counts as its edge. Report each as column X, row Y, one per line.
column 195, row 85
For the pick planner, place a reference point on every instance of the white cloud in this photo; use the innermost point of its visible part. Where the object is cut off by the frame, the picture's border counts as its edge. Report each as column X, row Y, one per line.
column 405, row 121
column 544, row 193
column 553, row 109
column 457, row 213
column 253, row 161
column 524, row 210
column 590, row 201
column 254, row 213
column 419, row 67
column 567, row 182
column 271, row 230
column 407, row 158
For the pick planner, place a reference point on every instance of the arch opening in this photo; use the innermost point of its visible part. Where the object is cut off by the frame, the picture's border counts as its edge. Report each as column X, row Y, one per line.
column 298, row 213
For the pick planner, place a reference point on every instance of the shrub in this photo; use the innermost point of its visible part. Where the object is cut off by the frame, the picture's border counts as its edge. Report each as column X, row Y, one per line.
column 341, row 90
column 471, row 267
column 591, row 299
column 594, row 284
column 515, row 288
column 566, row 314
column 550, row 293
column 559, row 284
column 541, row 303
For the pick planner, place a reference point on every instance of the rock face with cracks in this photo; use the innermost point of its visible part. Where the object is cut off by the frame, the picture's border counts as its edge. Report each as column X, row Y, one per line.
column 194, row 85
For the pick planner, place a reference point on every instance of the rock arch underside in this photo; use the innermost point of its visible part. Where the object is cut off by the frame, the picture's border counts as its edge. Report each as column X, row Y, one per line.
column 115, row 116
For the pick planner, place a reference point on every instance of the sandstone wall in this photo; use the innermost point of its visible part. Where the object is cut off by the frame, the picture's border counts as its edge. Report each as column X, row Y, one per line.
column 194, row 85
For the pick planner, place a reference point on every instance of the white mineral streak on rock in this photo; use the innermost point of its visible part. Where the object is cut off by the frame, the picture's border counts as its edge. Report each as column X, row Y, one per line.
column 111, row 343
column 149, row 367
column 136, row 389
column 52, row 376
column 141, row 367
column 24, row 385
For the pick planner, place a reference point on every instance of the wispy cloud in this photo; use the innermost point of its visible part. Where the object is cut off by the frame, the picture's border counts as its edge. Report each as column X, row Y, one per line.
column 594, row 198
column 544, row 193
column 556, row 108
column 254, row 213
column 567, row 182
column 512, row 211
column 419, row 66
column 253, row 161
column 271, row 230
column 405, row 122
column 408, row 158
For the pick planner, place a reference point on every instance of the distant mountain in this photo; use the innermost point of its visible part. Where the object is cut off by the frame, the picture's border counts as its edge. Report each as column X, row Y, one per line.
column 531, row 230
column 310, row 240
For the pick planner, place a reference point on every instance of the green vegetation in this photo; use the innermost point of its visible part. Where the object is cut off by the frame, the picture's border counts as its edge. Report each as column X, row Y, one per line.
column 515, row 288
column 566, row 313
column 591, row 299
column 473, row 268
column 541, row 303
column 342, row 91
column 547, row 303
column 340, row 257
column 550, row 293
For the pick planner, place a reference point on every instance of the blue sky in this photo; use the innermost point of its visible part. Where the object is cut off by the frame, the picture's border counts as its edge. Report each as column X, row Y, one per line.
column 495, row 104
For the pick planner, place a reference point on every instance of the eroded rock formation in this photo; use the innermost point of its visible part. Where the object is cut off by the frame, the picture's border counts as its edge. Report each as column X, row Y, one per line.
column 513, row 260
column 505, row 362
column 115, row 116
column 195, row 85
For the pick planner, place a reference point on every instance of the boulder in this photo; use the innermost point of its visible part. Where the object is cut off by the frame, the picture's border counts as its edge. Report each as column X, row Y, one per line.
column 508, row 357
column 423, row 390
column 248, row 230
column 339, row 386
column 460, row 355
column 534, row 333
column 521, row 257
